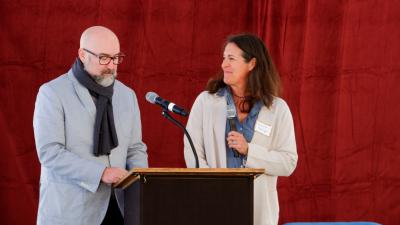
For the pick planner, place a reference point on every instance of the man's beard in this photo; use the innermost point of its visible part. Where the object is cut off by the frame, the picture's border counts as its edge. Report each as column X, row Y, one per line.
column 106, row 77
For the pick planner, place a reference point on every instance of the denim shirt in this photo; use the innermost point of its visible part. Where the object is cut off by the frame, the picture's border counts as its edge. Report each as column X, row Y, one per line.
column 246, row 128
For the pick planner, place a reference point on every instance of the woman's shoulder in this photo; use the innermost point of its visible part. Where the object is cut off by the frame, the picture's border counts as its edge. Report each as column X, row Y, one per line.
column 279, row 102
column 207, row 96
column 279, row 105
column 277, row 111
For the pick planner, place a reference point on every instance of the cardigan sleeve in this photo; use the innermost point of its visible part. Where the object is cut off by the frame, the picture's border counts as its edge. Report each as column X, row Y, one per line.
column 195, row 129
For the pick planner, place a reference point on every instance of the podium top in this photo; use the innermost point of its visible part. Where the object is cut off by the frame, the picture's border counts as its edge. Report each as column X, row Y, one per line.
column 135, row 173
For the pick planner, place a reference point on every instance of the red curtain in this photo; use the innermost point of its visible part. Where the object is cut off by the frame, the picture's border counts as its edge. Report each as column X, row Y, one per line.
column 339, row 63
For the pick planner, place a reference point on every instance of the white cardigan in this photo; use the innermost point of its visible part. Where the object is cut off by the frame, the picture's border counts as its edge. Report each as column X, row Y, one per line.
column 273, row 149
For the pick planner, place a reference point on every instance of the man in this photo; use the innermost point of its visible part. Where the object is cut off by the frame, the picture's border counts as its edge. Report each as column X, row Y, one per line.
column 88, row 134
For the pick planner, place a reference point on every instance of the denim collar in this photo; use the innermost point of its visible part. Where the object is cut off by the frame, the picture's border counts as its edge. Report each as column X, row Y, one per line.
column 226, row 91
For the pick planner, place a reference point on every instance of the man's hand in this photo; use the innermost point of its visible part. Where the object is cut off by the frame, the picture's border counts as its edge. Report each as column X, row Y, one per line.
column 113, row 175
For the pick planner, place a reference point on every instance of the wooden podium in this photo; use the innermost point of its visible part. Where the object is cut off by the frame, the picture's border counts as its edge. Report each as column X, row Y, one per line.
column 184, row 196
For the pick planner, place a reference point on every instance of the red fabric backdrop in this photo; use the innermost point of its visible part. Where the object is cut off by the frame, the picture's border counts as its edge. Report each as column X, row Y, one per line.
column 339, row 62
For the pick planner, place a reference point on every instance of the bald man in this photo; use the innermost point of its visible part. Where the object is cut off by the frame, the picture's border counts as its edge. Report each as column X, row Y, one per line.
column 88, row 135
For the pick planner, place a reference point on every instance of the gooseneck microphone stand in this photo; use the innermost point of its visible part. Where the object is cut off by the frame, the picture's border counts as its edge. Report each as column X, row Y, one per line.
column 173, row 120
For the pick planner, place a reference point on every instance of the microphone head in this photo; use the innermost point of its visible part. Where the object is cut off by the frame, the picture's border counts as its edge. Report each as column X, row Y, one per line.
column 231, row 111
column 151, row 97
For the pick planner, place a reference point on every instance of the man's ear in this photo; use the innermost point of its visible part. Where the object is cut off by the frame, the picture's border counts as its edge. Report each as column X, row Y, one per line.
column 81, row 54
column 252, row 64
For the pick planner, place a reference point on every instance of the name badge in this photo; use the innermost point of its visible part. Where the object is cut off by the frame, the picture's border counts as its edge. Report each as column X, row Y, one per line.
column 263, row 128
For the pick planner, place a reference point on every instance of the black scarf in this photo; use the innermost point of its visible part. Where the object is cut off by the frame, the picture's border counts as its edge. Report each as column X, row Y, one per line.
column 104, row 137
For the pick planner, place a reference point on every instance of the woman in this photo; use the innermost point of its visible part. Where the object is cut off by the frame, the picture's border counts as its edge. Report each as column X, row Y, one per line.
column 248, row 84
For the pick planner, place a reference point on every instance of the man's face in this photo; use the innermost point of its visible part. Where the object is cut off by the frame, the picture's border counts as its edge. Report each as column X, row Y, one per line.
column 102, row 74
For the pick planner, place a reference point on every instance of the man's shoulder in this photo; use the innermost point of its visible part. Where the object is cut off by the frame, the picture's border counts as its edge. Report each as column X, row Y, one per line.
column 58, row 82
column 121, row 86
column 123, row 89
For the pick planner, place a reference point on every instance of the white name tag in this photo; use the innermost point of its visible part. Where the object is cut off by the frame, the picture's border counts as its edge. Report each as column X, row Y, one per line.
column 263, row 128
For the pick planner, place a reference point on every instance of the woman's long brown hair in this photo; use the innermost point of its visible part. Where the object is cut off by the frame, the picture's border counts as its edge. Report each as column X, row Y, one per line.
column 263, row 82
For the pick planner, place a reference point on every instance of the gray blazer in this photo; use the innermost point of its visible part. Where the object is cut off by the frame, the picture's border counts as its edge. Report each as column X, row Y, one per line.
column 71, row 191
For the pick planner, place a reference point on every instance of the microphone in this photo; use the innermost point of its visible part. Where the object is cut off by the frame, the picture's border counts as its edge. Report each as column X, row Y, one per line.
column 231, row 114
column 153, row 98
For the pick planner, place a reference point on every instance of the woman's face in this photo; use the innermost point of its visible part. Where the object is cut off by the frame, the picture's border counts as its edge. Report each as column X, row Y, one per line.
column 235, row 68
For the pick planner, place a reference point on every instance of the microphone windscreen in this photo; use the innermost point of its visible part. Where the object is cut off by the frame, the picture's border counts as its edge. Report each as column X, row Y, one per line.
column 231, row 111
column 151, row 97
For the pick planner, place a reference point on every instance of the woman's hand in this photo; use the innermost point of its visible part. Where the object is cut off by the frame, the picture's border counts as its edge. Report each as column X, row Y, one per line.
column 237, row 141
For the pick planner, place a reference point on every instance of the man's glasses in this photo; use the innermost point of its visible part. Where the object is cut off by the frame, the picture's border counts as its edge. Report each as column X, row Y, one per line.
column 106, row 59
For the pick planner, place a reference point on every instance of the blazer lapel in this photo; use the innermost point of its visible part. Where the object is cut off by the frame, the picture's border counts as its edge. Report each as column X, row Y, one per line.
column 83, row 95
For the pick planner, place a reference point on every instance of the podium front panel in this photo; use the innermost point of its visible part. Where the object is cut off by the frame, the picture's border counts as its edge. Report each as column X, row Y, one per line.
column 193, row 200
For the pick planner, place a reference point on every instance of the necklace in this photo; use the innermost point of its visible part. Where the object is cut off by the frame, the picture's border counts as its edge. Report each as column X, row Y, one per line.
column 239, row 97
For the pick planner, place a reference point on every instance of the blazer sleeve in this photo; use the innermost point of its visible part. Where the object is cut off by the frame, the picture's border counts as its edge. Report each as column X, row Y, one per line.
column 137, row 150
column 48, row 124
column 279, row 159
column 195, row 129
